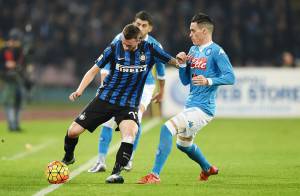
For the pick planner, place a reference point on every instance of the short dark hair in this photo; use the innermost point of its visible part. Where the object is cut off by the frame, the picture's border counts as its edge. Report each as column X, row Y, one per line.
column 131, row 31
column 143, row 15
column 202, row 18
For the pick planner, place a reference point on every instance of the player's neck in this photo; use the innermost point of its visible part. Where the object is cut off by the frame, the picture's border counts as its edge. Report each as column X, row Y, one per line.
column 206, row 40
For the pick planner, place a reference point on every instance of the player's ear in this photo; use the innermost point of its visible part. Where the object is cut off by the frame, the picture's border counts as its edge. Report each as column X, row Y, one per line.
column 150, row 28
column 204, row 30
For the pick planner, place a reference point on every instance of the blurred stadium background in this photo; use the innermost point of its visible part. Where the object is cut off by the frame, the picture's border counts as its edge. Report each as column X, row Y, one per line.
column 62, row 38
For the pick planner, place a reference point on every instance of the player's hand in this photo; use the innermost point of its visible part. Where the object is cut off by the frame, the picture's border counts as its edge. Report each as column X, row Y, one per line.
column 181, row 57
column 200, row 80
column 73, row 96
column 157, row 98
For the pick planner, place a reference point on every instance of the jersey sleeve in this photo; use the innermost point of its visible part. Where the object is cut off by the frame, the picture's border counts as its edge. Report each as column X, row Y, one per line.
column 184, row 75
column 227, row 76
column 185, row 71
column 160, row 70
column 160, row 54
column 106, row 68
column 160, row 67
column 105, row 57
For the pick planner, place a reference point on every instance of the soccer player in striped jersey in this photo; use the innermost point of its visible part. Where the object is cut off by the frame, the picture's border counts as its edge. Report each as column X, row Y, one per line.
column 144, row 21
column 131, row 60
column 205, row 68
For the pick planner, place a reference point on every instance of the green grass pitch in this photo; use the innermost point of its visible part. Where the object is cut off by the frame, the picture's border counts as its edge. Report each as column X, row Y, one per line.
column 255, row 157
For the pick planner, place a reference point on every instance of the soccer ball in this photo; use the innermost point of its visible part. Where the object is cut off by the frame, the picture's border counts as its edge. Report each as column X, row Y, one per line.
column 57, row 172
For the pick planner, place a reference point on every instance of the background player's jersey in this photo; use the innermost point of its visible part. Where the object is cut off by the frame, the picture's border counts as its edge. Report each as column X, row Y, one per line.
column 210, row 61
column 160, row 67
column 128, row 71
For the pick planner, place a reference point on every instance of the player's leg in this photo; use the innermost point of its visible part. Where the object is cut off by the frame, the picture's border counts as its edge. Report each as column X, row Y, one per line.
column 128, row 123
column 186, row 145
column 185, row 124
column 18, row 106
column 163, row 151
column 128, row 167
column 94, row 114
column 71, row 140
column 9, row 112
column 105, row 139
column 145, row 101
column 185, row 140
column 103, row 145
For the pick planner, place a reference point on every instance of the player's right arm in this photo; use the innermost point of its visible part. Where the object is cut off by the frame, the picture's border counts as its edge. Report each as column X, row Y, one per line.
column 184, row 70
column 100, row 63
column 86, row 80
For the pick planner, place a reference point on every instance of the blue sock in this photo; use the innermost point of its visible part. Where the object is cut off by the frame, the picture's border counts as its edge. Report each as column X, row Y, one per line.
column 195, row 154
column 104, row 140
column 164, row 149
column 137, row 137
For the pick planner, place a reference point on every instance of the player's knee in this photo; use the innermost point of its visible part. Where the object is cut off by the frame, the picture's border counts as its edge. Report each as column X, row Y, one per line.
column 183, row 142
column 75, row 130
column 128, row 139
column 171, row 126
column 72, row 133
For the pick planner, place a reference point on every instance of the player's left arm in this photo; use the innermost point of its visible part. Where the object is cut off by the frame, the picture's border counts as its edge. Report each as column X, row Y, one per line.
column 227, row 76
column 163, row 56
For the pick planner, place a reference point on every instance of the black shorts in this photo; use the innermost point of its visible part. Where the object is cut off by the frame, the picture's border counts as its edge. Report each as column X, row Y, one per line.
column 98, row 112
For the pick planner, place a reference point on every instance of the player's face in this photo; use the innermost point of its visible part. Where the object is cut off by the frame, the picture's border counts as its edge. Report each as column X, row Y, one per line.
column 197, row 33
column 130, row 44
column 144, row 26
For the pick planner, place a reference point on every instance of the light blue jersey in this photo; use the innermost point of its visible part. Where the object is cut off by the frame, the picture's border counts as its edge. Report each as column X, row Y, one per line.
column 211, row 61
column 160, row 67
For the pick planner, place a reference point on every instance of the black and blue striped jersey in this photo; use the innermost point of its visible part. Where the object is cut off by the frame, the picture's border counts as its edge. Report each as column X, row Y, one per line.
column 128, row 71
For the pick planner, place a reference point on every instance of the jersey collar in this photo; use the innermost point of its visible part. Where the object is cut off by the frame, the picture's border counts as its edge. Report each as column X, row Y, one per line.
column 147, row 37
column 201, row 47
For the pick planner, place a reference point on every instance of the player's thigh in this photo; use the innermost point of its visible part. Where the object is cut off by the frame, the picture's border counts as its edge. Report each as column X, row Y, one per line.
column 94, row 114
column 147, row 95
column 127, row 120
column 188, row 122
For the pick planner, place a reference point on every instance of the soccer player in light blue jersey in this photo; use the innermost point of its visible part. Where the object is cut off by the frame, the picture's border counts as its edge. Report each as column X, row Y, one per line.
column 204, row 68
column 144, row 21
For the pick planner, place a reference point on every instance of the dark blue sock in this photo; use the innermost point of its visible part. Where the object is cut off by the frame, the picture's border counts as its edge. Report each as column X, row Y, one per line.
column 195, row 154
column 164, row 149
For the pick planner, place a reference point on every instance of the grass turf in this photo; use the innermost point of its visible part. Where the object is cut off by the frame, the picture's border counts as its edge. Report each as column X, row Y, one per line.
column 255, row 157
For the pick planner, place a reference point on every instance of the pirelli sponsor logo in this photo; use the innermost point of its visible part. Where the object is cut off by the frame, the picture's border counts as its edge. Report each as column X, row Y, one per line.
column 131, row 69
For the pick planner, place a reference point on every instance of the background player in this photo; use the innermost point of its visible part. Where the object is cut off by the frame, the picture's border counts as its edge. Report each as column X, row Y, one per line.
column 143, row 20
column 204, row 69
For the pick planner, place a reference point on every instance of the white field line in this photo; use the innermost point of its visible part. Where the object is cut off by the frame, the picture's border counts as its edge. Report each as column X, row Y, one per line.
column 147, row 127
column 30, row 150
